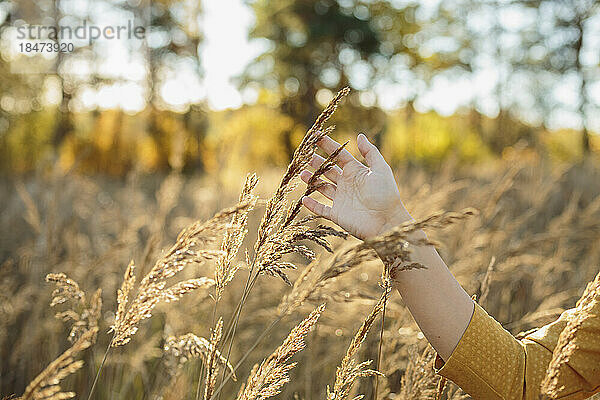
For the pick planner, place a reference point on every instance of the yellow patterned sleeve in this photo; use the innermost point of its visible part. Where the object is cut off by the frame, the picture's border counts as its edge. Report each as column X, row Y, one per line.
column 489, row 363
column 579, row 378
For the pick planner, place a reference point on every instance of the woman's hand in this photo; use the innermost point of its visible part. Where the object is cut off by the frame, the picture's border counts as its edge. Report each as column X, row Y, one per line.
column 366, row 200
column 366, row 203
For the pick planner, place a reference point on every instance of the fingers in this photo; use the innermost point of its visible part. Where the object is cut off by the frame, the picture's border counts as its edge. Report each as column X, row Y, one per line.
column 325, row 188
column 316, row 207
column 333, row 174
column 370, row 152
column 330, row 145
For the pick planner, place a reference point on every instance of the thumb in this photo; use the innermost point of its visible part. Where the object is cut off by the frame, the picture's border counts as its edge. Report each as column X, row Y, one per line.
column 370, row 152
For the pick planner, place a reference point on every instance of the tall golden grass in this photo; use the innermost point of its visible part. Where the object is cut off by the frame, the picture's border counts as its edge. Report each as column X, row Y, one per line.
column 526, row 250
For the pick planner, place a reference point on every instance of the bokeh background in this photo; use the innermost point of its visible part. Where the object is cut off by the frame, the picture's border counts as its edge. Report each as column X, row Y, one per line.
column 108, row 151
column 432, row 79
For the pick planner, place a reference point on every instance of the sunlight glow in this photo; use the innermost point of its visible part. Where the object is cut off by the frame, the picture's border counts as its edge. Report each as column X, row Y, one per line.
column 226, row 49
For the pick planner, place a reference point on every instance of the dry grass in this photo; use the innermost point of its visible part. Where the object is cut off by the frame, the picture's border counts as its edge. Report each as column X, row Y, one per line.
column 226, row 267
column 267, row 379
column 82, row 315
column 47, row 384
column 153, row 290
column 190, row 346
column 527, row 254
column 350, row 369
column 212, row 366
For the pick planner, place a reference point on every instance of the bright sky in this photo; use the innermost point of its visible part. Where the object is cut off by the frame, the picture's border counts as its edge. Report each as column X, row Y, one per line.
column 226, row 49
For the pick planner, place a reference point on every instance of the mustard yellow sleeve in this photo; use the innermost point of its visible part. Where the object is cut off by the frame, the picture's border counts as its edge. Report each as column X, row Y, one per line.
column 579, row 378
column 489, row 363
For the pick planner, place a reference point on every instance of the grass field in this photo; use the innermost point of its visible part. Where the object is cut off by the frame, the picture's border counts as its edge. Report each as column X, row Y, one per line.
column 527, row 255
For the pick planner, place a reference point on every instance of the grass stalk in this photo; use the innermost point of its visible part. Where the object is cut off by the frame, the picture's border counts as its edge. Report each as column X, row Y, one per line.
column 101, row 366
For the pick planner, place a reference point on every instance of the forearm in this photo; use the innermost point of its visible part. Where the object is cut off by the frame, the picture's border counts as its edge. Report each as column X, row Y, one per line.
column 366, row 202
column 437, row 302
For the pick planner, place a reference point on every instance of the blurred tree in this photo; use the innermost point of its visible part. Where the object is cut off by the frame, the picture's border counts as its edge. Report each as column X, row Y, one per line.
column 64, row 124
column 537, row 47
column 20, row 99
column 567, row 35
column 173, row 36
column 329, row 44
column 174, row 39
column 527, row 61
column 313, row 45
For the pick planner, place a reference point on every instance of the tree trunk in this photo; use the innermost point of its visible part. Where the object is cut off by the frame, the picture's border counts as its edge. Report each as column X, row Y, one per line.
column 583, row 102
column 64, row 124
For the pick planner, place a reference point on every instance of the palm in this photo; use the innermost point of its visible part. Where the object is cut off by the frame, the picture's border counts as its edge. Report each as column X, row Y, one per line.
column 364, row 199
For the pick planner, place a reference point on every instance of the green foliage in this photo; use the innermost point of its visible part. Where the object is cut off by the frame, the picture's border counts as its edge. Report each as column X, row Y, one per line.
column 431, row 138
column 28, row 141
column 252, row 139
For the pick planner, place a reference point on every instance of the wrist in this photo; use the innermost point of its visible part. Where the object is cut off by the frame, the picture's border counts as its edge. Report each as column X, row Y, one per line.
column 398, row 217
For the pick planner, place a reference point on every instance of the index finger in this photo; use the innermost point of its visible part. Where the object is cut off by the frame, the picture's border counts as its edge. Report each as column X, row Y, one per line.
column 330, row 145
